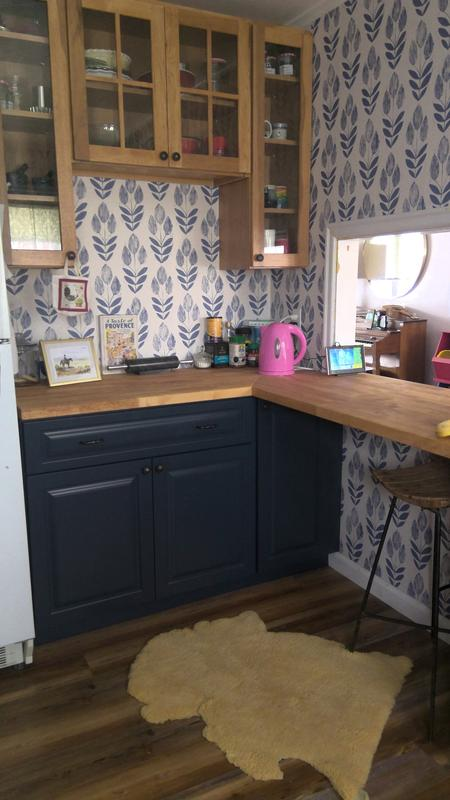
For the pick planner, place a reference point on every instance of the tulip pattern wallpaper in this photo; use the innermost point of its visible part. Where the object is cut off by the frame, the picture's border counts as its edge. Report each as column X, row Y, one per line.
column 149, row 249
column 381, row 146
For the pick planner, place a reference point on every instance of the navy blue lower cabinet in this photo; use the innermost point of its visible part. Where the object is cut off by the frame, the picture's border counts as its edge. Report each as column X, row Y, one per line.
column 204, row 520
column 91, row 546
column 299, row 481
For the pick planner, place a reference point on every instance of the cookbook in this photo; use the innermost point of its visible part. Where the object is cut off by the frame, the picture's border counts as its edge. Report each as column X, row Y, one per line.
column 118, row 340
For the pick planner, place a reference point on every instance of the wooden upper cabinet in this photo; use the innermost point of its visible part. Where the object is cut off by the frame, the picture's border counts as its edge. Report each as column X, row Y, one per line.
column 35, row 134
column 264, row 221
column 178, row 96
column 208, row 91
column 118, row 80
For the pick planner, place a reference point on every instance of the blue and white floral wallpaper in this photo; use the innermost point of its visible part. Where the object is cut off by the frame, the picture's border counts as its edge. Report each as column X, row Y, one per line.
column 381, row 146
column 150, row 249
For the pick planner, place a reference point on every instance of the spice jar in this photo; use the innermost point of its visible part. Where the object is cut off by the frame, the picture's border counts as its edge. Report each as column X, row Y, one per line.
column 237, row 351
column 270, row 65
column 286, row 63
column 252, row 356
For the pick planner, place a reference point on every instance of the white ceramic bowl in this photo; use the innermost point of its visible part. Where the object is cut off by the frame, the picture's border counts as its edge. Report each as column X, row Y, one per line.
column 108, row 58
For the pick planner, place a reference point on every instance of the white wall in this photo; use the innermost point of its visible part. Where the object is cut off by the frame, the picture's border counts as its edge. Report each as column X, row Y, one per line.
column 346, row 289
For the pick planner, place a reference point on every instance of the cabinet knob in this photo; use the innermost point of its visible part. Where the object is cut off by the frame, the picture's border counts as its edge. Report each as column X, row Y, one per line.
column 71, row 255
column 146, row 470
column 259, row 257
column 159, row 468
column 164, row 155
column 176, row 156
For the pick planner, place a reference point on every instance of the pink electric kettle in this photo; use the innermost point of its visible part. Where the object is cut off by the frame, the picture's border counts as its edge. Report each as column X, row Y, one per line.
column 276, row 351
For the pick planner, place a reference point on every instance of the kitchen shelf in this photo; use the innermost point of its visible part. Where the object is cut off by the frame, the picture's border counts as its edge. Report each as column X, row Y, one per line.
column 280, row 211
column 23, row 37
column 200, row 95
column 26, row 121
column 112, row 83
column 281, row 142
column 32, row 198
column 282, row 78
column 22, row 48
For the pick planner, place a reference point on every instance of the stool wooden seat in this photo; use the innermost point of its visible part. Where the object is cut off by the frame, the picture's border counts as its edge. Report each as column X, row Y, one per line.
column 426, row 486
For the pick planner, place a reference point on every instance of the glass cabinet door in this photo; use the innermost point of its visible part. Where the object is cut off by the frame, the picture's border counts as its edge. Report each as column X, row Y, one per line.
column 118, row 82
column 34, row 120
column 208, row 91
column 282, row 119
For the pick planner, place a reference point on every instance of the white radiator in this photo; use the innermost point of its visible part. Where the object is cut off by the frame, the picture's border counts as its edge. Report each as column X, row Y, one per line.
column 17, row 653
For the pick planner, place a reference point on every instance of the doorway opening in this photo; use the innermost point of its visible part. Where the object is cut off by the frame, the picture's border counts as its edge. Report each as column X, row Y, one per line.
column 387, row 287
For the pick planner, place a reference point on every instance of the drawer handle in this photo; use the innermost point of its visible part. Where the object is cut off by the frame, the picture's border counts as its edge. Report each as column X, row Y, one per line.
column 210, row 427
column 92, row 442
column 159, row 468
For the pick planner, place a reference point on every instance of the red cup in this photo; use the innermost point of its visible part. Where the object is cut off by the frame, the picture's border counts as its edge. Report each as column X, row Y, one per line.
column 219, row 145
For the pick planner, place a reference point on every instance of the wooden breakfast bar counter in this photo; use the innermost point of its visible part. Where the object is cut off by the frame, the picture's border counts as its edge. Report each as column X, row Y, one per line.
column 403, row 411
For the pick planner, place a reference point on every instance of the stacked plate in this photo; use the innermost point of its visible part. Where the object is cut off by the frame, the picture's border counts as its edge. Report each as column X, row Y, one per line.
column 102, row 63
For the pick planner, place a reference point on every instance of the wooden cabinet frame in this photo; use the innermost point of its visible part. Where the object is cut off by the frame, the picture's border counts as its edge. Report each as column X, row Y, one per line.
column 175, row 17
column 83, row 150
column 242, row 202
column 165, row 21
column 59, row 69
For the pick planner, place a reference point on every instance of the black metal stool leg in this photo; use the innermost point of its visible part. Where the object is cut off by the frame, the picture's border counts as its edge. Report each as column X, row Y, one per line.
column 435, row 616
column 372, row 574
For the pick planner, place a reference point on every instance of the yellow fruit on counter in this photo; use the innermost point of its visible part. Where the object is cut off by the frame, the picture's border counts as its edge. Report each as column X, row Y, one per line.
column 443, row 428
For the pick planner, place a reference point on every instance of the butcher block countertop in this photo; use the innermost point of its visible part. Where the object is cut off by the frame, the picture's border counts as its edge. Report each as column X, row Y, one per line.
column 400, row 410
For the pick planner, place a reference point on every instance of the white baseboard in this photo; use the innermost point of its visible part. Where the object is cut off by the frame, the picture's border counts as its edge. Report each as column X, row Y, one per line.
column 401, row 602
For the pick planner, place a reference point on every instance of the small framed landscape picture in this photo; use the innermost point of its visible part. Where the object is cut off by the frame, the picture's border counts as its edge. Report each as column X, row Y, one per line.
column 118, row 340
column 70, row 361
column 72, row 295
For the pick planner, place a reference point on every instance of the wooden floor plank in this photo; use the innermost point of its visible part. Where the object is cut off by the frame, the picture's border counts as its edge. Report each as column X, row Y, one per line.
column 70, row 731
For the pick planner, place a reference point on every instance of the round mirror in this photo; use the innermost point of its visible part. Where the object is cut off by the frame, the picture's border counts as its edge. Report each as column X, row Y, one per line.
column 394, row 264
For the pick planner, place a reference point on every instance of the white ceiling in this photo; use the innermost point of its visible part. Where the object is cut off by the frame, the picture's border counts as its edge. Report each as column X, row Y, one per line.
column 280, row 12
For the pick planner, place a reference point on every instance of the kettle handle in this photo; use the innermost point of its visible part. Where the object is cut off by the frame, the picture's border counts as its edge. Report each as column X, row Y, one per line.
column 295, row 331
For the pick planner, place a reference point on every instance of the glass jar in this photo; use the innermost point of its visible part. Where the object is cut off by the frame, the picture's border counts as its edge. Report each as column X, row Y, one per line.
column 286, row 63
column 236, row 354
column 252, row 355
column 279, row 130
column 270, row 196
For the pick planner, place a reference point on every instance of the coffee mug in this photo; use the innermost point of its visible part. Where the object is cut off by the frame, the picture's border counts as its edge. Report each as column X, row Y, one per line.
column 267, row 129
column 219, row 145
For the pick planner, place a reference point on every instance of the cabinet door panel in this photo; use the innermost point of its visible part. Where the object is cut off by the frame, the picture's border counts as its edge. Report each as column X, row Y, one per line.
column 35, row 137
column 299, row 463
column 91, row 542
column 204, row 519
column 118, row 80
column 208, row 86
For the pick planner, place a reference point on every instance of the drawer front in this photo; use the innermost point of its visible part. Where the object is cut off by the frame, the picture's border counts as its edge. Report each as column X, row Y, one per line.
column 69, row 442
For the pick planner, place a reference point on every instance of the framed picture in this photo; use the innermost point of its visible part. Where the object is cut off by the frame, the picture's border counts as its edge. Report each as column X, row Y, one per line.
column 72, row 295
column 70, row 361
column 118, row 340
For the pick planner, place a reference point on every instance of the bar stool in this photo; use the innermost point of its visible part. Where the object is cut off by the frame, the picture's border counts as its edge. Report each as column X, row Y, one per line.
column 426, row 486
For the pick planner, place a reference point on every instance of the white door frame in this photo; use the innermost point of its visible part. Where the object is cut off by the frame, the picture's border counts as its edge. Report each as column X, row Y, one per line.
column 436, row 221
